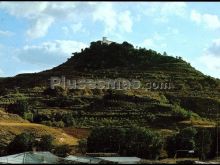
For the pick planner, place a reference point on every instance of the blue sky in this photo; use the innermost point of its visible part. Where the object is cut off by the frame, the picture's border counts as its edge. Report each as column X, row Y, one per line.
column 35, row 36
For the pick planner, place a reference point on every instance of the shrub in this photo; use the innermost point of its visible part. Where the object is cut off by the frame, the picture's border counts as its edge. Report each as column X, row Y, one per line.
column 180, row 113
column 184, row 140
column 56, row 92
column 59, row 124
column 28, row 116
column 21, row 143
column 82, row 147
column 48, row 123
column 46, row 143
column 68, row 120
column 204, row 143
column 20, row 107
column 62, row 150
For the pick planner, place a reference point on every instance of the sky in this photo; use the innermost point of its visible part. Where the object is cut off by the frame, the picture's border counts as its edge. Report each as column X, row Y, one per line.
column 35, row 36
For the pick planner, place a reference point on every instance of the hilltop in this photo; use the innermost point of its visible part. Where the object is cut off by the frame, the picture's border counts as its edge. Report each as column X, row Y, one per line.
column 122, row 60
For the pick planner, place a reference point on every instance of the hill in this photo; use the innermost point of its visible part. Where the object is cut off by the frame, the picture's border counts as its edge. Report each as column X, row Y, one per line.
column 116, row 60
column 194, row 98
column 70, row 114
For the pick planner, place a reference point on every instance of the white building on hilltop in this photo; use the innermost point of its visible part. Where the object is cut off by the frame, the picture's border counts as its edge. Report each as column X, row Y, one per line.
column 104, row 40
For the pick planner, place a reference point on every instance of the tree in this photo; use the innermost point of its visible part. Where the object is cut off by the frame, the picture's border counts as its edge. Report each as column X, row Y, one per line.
column 143, row 143
column 204, row 143
column 27, row 141
column 62, row 150
column 184, row 140
column 20, row 107
column 164, row 53
column 82, row 146
column 171, row 145
column 21, row 143
column 46, row 143
column 132, row 141
column 127, row 45
column 105, row 139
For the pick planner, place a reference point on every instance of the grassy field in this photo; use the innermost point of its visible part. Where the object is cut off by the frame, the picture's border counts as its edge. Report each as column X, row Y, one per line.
column 12, row 125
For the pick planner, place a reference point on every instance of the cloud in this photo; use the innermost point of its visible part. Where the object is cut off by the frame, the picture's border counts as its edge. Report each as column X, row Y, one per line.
column 74, row 28
column 107, row 15
column 209, row 65
column 33, row 10
column 211, row 62
column 49, row 53
column 41, row 14
column 27, row 10
column 113, row 19
column 40, row 27
column 125, row 21
column 211, row 58
column 195, row 16
column 162, row 11
column 214, row 48
column 148, row 43
column 210, row 21
column 156, row 43
column 6, row 33
column 173, row 8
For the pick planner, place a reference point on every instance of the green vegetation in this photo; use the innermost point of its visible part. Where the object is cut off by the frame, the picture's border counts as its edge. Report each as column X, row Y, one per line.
column 132, row 141
column 27, row 141
column 22, row 108
column 206, row 143
column 184, row 140
column 3, row 91
column 82, row 147
column 62, row 150
column 181, row 113
column 202, row 141
column 56, row 92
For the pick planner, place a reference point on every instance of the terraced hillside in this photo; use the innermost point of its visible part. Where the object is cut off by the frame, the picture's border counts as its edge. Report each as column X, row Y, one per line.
column 193, row 90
